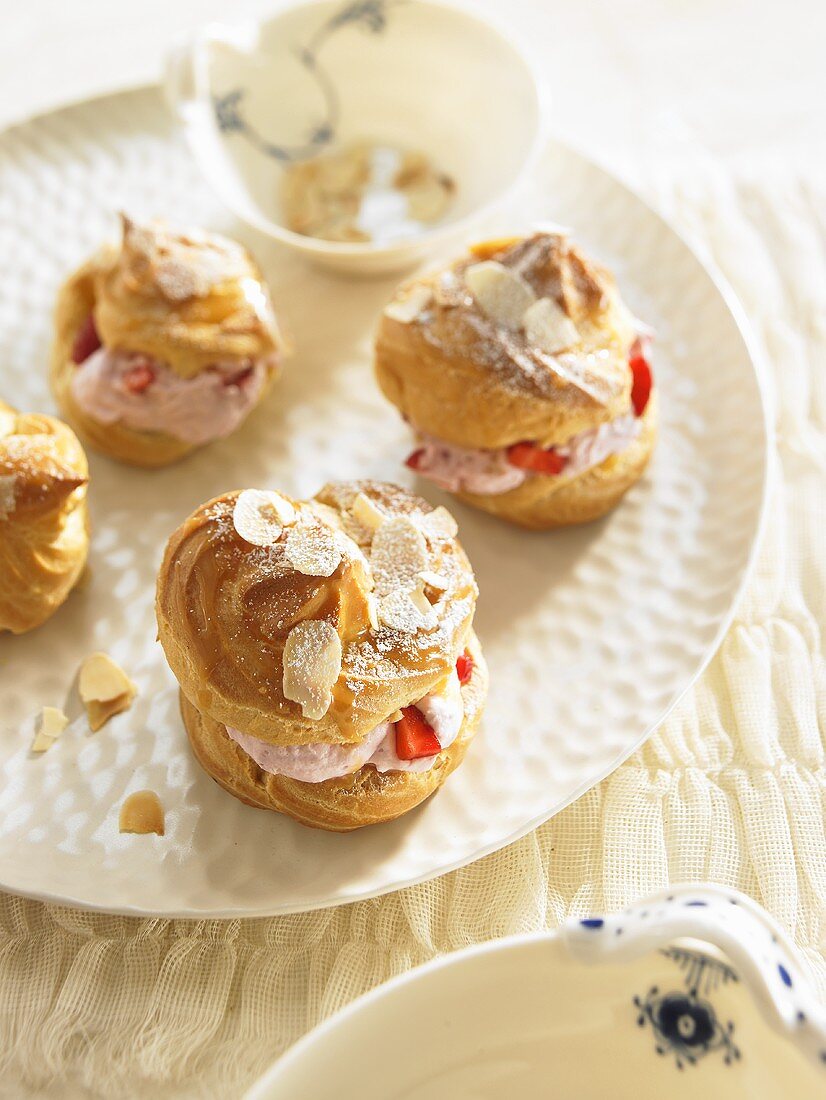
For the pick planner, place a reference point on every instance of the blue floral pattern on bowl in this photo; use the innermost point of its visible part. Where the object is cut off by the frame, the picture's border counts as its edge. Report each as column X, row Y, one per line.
column 370, row 15
column 685, row 1022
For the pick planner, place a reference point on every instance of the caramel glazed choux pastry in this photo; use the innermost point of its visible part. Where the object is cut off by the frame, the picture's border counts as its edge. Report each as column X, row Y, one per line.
column 163, row 343
column 525, row 379
column 324, row 649
column 44, row 527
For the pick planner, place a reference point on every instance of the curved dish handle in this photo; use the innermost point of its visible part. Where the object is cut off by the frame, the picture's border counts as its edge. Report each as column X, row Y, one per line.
column 729, row 921
column 185, row 79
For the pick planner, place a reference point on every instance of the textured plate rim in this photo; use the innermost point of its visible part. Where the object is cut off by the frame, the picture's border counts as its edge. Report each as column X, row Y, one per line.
column 744, row 329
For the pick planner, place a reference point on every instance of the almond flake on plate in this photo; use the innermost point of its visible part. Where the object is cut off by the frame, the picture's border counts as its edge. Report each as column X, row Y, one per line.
column 548, row 327
column 142, row 813
column 502, row 294
column 260, row 515
column 409, row 308
column 104, row 688
column 313, row 549
column 312, row 664
column 398, row 555
column 438, row 524
column 51, row 722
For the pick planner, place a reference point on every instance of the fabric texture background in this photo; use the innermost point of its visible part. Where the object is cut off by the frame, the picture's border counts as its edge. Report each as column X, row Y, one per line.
column 731, row 788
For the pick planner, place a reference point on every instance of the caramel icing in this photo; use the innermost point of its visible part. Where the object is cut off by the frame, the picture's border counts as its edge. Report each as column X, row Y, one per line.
column 226, row 607
column 185, row 298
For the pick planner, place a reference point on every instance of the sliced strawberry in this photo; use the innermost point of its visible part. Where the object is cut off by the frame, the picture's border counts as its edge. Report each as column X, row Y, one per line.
column 138, row 378
column 86, row 342
column 413, row 461
column 641, row 387
column 464, row 667
column 530, row 456
column 414, row 737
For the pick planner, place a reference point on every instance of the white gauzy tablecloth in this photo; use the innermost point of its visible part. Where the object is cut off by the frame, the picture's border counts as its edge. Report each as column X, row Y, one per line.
column 716, row 111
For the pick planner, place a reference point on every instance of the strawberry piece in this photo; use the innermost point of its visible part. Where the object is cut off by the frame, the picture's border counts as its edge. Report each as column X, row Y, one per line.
column 464, row 667
column 643, row 381
column 414, row 737
column 86, row 342
column 138, row 378
column 529, row 456
column 413, row 461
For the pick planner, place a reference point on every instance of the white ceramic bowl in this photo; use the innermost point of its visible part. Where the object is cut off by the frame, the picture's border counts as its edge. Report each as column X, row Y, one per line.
column 631, row 1006
column 317, row 76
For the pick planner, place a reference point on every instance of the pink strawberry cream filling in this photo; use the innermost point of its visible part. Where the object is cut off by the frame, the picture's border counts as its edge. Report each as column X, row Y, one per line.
column 493, row 471
column 115, row 387
column 314, row 763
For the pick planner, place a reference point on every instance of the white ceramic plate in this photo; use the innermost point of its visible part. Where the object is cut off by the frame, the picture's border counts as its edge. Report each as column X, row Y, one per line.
column 591, row 635
column 618, row 1006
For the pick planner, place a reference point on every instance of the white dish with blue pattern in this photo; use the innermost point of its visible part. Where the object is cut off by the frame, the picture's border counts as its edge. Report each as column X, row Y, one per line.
column 694, row 991
column 256, row 98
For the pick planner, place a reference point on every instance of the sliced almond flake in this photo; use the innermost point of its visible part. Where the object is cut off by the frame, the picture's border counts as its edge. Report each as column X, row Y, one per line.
column 104, row 688
column 8, row 484
column 366, row 512
column 324, row 512
column 312, row 664
column 141, row 813
column 259, row 516
column 178, row 281
column 502, row 294
column 313, row 549
column 398, row 555
column 422, row 603
column 449, row 291
column 8, row 421
column 409, row 308
column 434, row 580
column 372, row 611
column 407, row 611
column 438, row 524
column 51, row 722
column 548, row 327
column 552, row 229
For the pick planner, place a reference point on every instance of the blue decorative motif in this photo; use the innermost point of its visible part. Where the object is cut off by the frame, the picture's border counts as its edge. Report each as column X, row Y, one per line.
column 371, row 16
column 685, row 1023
